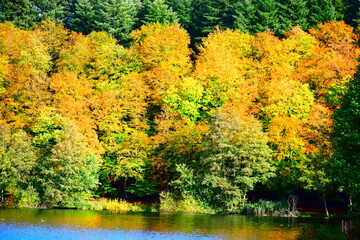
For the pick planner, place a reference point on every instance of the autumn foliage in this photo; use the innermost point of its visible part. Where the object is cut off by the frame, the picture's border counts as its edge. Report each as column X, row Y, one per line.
column 143, row 110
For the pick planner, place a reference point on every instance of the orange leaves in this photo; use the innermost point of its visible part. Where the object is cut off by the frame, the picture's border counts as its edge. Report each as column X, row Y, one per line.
column 335, row 35
column 328, row 71
column 285, row 135
column 225, row 67
column 164, row 46
column 72, row 97
column 75, row 56
column 165, row 54
column 286, row 98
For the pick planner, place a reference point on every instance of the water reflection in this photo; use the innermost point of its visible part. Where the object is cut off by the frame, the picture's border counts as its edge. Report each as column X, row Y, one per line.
column 82, row 224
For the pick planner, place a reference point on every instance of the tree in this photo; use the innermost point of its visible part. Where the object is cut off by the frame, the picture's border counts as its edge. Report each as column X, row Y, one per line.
column 116, row 17
column 184, row 11
column 57, row 10
column 293, row 13
column 225, row 69
column 17, row 162
column 236, row 157
column 329, row 70
column 186, row 100
column 83, row 18
column 19, row 12
column 316, row 171
column 321, row 12
column 66, row 172
column 244, row 15
column 165, row 55
column 266, row 16
column 346, row 136
column 157, row 11
column 25, row 84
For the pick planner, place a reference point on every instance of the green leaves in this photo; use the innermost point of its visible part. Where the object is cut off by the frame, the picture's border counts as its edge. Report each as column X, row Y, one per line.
column 237, row 156
column 346, row 138
column 157, row 11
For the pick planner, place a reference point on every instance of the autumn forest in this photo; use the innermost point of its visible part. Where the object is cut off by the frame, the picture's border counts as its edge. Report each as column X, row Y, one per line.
column 165, row 109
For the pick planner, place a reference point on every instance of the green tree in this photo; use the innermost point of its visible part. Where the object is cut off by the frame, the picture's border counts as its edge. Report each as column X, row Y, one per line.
column 236, row 157
column 116, row 17
column 352, row 12
column 244, row 15
column 56, row 10
column 17, row 161
column 158, row 11
column 184, row 11
column 293, row 13
column 19, row 12
column 266, row 16
column 346, row 141
column 66, row 172
column 320, row 12
column 84, row 13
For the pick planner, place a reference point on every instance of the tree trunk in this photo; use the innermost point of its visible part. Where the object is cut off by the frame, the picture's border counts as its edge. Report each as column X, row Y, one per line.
column 350, row 203
column 325, row 205
column 125, row 193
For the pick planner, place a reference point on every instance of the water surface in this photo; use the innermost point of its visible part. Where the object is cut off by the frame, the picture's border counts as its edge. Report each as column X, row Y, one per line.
column 84, row 224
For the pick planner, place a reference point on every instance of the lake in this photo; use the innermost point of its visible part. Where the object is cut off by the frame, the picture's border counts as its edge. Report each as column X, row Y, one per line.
column 85, row 224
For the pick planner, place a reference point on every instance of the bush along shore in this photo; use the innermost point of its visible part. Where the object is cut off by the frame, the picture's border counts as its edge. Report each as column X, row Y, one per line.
column 173, row 203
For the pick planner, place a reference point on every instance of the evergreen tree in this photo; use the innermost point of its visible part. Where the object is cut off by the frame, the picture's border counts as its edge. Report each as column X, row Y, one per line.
column 19, row 12
column 293, row 13
column 184, row 10
column 54, row 9
column 116, row 17
column 266, row 16
column 320, row 12
column 346, row 139
column 244, row 15
column 352, row 12
column 158, row 11
column 83, row 14
column 209, row 14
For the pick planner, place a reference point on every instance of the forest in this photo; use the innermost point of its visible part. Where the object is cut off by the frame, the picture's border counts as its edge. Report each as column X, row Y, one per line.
column 188, row 100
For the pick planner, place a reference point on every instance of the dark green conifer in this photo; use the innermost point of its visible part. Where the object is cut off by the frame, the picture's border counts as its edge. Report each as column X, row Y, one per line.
column 266, row 16
column 346, row 138
column 293, row 13
column 184, row 11
column 116, row 17
column 158, row 11
column 83, row 16
column 244, row 15
column 19, row 12
column 321, row 11
column 56, row 10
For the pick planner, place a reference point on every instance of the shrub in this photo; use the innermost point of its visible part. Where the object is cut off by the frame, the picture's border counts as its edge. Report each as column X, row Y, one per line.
column 264, row 208
column 29, row 198
column 115, row 205
column 184, row 204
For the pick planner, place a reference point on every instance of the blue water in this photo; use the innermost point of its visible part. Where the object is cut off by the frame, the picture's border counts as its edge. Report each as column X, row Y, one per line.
column 29, row 224
column 18, row 231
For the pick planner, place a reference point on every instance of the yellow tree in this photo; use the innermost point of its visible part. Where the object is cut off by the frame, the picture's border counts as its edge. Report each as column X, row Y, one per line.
column 329, row 71
column 225, row 69
column 26, row 64
column 165, row 54
column 72, row 97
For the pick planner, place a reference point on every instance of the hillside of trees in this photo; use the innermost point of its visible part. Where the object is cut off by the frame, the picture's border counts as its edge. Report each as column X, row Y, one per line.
column 198, row 17
column 92, row 114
